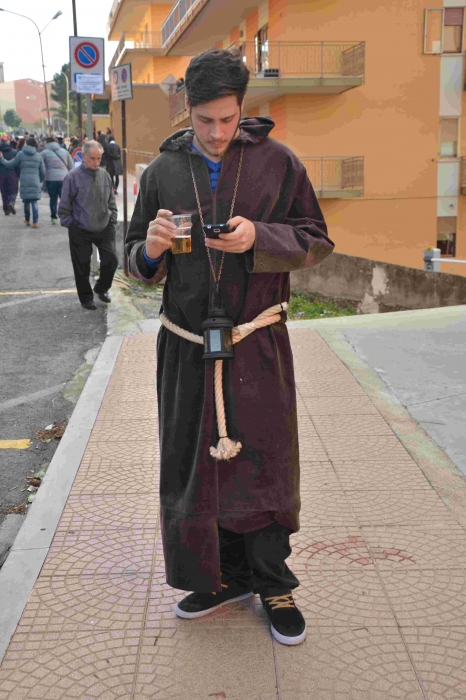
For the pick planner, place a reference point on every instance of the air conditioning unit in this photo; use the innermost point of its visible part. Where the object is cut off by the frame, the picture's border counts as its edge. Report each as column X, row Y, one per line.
column 271, row 73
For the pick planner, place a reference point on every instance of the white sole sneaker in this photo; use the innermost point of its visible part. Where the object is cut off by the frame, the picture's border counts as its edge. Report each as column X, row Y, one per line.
column 202, row 613
column 288, row 641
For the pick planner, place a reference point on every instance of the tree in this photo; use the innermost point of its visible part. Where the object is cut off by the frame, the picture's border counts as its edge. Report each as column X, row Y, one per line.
column 11, row 118
column 59, row 94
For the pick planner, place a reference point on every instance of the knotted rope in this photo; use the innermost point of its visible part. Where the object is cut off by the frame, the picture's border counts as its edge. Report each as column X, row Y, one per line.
column 227, row 448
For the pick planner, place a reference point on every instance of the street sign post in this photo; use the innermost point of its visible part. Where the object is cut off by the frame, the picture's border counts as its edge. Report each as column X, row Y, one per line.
column 122, row 89
column 87, row 58
column 87, row 68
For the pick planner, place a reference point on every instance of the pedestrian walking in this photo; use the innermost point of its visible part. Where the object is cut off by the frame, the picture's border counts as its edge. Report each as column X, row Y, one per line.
column 89, row 212
column 61, row 141
column 58, row 163
column 227, row 509
column 8, row 179
column 31, row 169
column 102, row 139
column 114, row 167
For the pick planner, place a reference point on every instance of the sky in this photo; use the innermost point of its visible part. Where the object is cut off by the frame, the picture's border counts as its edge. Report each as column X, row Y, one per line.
column 19, row 40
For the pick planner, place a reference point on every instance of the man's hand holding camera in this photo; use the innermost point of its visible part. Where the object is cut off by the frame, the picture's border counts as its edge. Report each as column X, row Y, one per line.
column 239, row 240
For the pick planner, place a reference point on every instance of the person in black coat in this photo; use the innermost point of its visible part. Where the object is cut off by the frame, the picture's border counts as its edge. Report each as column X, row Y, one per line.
column 114, row 166
column 9, row 179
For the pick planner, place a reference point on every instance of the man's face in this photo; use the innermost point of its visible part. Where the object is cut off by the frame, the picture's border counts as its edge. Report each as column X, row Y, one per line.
column 93, row 158
column 216, row 123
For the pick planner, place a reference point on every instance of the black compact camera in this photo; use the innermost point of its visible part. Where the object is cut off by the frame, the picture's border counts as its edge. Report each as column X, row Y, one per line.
column 214, row 230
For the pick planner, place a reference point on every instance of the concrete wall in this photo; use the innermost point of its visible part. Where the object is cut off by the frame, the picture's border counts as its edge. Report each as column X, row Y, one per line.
column 380, row 286
column 147, row 119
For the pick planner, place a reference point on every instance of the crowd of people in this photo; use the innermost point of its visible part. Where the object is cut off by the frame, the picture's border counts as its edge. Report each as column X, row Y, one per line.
column 31, row 164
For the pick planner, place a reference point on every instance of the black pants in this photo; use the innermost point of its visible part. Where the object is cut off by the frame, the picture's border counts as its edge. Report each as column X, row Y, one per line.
column 54, row 188
column 9, row 191
column 81, row 252
column 116, row 181
column 258, row 558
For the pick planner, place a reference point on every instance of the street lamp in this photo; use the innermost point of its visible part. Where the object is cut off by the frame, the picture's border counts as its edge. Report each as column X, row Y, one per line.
column 67, row 100
column 57, row 14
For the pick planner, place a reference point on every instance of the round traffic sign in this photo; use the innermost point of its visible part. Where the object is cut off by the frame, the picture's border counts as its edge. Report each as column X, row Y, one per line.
column 124, row 75
column 77, row 155
column 115, row 77
column 87, row 54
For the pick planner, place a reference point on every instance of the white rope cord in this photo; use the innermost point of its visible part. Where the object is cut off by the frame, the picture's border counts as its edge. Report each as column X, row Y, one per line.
column 227, row 448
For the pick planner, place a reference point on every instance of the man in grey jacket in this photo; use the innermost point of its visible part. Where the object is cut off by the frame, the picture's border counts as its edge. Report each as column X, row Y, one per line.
column 88, row 209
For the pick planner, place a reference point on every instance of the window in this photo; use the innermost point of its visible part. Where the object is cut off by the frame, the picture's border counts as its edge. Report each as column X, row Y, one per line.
column 446, row 235
column 261, row 45
column 443, row 30
column 448, row 146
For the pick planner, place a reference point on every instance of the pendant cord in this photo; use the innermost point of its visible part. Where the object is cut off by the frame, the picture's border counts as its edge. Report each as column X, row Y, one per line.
column 212, row 268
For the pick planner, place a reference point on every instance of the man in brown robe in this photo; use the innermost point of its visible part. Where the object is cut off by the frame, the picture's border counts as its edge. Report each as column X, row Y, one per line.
column 226, row 524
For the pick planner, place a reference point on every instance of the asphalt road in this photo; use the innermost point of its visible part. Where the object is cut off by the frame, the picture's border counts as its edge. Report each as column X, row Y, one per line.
column 44, row 340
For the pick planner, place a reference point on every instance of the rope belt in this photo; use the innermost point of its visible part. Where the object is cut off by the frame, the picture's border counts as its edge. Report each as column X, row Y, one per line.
column 227, row 448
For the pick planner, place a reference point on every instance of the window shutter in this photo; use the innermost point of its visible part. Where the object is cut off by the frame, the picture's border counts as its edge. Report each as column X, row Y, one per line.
column 433, row 30
column 453, row 17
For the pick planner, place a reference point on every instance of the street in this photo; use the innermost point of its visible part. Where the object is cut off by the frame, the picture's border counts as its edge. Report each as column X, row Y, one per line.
column 45, row 340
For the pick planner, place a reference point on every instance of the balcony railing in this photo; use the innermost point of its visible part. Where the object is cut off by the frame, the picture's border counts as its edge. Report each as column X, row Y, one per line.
column 337, row 175
column 180, row 14
column 135, row 157
column 287, row 60
column 177, row 104
column 312, row 59
column 139, row 40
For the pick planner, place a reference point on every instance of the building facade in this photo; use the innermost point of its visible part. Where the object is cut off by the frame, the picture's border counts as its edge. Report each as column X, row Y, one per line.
column 27, row 98
column 368, row 95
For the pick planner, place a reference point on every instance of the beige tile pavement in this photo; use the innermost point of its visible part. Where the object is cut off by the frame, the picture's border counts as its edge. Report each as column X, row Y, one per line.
column 380, row 557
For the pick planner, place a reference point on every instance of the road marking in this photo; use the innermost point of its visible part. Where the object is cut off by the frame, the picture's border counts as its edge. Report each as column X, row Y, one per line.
column 39, row 291
column 31, row 397
column 15, row 444
column 26, row 300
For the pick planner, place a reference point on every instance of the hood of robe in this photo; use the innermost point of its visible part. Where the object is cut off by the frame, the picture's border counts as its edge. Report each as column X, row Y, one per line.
column 252, row 130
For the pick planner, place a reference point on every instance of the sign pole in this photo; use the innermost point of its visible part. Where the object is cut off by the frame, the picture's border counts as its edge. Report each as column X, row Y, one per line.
column 89, row 138
column 125, row 182
column 78, row 96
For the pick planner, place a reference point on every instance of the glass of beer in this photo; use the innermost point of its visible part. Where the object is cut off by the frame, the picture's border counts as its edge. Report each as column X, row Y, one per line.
column 182, row 241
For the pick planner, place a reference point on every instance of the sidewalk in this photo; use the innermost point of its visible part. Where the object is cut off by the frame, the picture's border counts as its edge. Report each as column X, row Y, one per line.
column 380, row 556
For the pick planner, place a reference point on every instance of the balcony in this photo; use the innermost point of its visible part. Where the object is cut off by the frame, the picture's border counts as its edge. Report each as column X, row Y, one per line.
column 139, row 45
column 336, row 177
column 315, row 68
column 196, row 25
column 126, row 15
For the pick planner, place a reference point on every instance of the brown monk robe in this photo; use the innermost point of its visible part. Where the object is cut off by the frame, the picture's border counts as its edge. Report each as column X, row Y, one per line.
column 260, row 484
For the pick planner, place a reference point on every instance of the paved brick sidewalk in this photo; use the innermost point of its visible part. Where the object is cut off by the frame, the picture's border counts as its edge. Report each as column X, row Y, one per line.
column 380, row 557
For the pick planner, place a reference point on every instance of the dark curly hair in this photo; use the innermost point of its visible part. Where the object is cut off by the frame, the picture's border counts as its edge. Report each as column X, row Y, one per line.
column 216, row 73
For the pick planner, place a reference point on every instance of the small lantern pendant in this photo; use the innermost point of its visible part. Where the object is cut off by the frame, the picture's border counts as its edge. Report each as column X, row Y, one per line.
column 218, row 339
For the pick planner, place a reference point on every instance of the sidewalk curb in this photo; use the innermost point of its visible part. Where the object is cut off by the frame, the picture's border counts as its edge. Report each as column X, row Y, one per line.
column 440, row 471
column 22, row 567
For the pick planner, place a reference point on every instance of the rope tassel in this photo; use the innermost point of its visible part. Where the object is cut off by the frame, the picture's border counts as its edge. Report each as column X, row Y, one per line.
column 227, row 448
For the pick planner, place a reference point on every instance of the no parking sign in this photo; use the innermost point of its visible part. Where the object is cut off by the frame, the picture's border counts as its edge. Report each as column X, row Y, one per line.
column 77, row 156
column 87, row 64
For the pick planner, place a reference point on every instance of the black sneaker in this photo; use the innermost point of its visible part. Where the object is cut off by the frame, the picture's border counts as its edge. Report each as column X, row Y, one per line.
column 103, row 296
column 287, row 623
column 89, row 305
column 200, row 604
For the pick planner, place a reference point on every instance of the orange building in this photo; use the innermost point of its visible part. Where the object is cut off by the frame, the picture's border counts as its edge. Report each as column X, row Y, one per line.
column 368, row 95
